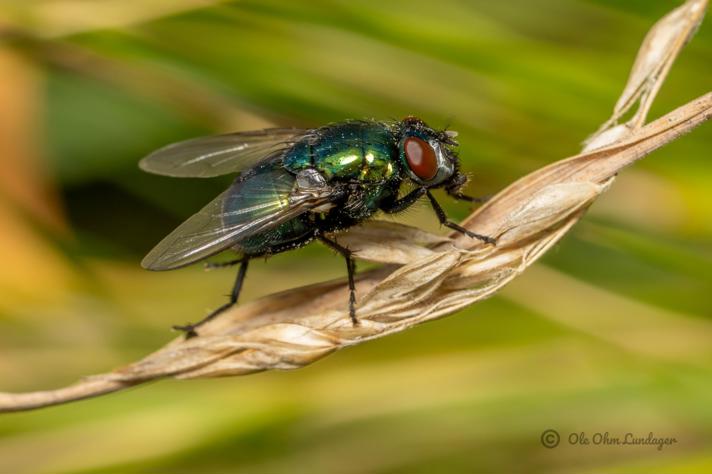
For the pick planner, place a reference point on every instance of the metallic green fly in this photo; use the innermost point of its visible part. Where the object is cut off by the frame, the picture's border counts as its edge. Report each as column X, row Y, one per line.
column 294, row 186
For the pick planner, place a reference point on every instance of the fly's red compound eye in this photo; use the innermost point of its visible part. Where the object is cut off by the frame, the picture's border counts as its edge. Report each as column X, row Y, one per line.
column 421, row 158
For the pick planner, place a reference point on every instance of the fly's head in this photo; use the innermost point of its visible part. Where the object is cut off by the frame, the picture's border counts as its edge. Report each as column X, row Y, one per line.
column 429, row 156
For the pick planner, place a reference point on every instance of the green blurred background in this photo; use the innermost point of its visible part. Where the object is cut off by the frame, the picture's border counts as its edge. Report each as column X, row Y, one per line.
column 610, row 332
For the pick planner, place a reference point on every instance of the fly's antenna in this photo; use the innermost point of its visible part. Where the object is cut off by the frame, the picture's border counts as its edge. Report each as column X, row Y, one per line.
column 448, row 121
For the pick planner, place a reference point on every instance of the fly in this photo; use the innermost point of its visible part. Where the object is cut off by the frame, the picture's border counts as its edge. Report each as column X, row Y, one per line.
column 294, row 186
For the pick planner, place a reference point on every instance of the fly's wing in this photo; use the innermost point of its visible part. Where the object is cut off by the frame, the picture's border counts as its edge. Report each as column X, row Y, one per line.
column 252, row 205
column 217, row 155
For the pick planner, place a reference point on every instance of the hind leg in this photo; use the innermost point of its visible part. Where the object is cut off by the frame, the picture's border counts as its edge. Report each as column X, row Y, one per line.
column 190, row 328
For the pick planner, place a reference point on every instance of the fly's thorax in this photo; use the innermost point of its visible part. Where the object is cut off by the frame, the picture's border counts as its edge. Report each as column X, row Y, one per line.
column 360, row 159
column 368, row 164
column 351, row 151
column 363, row 200
column 309, row 181
column 311, row 184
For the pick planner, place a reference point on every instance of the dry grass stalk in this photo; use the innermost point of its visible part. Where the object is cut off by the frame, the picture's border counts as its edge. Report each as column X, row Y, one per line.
column 425, row 276
column 660, row 47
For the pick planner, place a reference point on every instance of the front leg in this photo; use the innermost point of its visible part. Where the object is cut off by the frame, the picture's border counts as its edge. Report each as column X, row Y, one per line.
column 394, row 206
column 464, row 197
column 442, row 217
column 453, row 189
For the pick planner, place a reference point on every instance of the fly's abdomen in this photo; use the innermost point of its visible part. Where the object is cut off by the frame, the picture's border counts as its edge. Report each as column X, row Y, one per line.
column 253, row 201
column 289, row 234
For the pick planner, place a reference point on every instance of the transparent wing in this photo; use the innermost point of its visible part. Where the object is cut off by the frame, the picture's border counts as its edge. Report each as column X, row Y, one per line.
column 250, row 206
column 217, row 155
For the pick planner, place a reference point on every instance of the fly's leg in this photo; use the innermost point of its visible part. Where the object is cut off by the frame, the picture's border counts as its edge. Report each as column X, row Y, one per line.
column 229, row 263
column 442, row 217
column 397, row 205
column 453, row 189
column 190, row 328
column 473, row 199
column 351, row 268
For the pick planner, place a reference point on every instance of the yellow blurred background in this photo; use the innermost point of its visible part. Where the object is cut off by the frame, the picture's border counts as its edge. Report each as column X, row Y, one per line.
column 610, row 332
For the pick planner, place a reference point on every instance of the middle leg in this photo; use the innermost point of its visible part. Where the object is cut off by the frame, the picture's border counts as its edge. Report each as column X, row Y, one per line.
column 351, row 268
